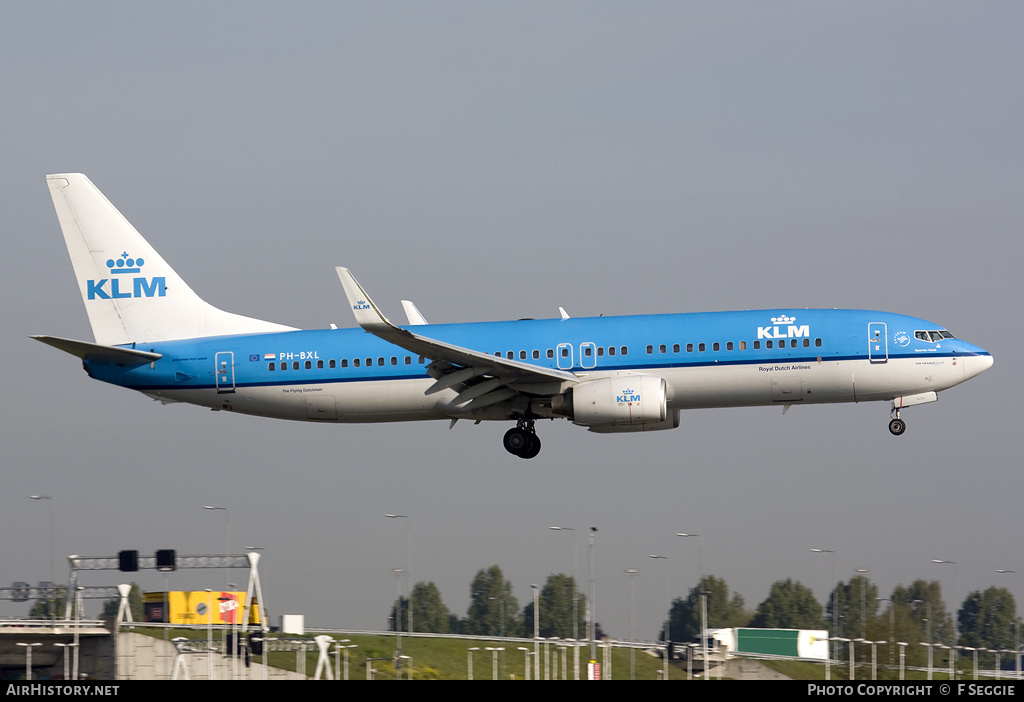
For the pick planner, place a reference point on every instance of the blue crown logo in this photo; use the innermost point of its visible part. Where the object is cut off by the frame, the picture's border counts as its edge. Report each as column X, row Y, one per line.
column 627, row 392
column 124, row 264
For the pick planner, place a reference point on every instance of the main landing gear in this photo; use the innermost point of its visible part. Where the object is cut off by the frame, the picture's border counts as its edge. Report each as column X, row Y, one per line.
column 896, row 425
column 522, row 440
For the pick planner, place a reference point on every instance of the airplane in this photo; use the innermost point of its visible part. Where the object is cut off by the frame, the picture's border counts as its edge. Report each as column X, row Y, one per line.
column 154, row 334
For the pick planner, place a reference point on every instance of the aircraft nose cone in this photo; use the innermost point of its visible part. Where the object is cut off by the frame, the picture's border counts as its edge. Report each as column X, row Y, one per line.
column 977, row 363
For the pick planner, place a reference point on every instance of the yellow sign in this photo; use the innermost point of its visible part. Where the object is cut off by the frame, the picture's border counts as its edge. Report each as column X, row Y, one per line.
column 194, row 607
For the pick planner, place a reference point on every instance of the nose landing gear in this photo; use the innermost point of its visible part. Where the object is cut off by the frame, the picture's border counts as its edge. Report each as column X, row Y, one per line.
column 522, row 440
column 896, row 425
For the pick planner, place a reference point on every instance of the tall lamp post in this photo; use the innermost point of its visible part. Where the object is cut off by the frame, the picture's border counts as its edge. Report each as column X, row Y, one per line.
column 536, row 631
column 227, row 534
column 632, row 573
column 408, row 558
column 835, row 602
column 703, row 602
column 53, row 582
column 956, row 612
column 398, row 620
column 1016, row 626
column 668, row 603
column 592, row 599
column 28, row 658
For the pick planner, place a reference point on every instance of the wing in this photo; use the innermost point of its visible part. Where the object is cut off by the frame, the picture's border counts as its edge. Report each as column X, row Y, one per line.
column 480, row 378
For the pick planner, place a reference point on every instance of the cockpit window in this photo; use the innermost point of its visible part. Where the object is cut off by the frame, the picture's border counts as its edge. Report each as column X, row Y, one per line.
column 933, row 336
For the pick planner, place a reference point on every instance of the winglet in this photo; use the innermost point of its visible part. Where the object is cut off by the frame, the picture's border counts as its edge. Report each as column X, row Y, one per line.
column 368, row 315
column 412, row 313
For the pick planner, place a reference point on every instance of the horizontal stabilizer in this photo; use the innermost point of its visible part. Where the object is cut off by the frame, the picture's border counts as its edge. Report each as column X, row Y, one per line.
column 88, row 351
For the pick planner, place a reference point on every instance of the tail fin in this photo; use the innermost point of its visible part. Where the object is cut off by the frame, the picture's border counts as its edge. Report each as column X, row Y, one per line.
column 130, row 293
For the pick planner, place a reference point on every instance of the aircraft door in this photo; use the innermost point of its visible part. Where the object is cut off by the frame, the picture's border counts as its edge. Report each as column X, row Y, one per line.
column 588, row 354
column 224, row 371
column 878, row 343
column 563, row 356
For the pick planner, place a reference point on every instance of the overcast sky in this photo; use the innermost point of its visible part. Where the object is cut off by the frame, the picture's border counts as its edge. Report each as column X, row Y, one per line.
column 495, row 161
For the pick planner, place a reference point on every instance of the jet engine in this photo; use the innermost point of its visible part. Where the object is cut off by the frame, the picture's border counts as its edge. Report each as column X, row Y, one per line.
column 623, row 402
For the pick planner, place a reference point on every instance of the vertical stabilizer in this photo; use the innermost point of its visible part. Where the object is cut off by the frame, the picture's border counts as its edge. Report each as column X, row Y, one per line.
column 130, row 293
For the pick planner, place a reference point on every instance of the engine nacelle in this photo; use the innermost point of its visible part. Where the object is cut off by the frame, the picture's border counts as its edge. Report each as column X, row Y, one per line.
column 622, row 402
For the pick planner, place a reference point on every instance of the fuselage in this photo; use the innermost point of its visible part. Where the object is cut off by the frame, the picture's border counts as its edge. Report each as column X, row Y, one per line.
column 710, row 359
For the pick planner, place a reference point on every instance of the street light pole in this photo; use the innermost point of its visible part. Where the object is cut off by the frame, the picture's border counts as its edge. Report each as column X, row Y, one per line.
column 835, row 601
column 53, row 582
column 408, row 558
column 668, row 620
column 956, row 612
column 632, row 573
column 702, row 593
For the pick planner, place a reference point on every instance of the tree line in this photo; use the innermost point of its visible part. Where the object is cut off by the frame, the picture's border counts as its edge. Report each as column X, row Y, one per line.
column 914, row 614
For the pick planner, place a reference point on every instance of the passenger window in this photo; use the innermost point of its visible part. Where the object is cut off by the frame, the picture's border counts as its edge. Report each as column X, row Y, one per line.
column 295, row 365
column 689, row 348
column 394, row 360
column 817, row 342
column 650, row 349
column 757, row 344
column 355, row 362
column 728, row 346
column 611, row 350
column 309, row 365
column 270, row 366
column 587, row 351
column 522, row 355
column 565, row 353
column 510, row 355
column 807, row 343
column 623, row 350
column 600, row 350
column 716, row 346
column 701, row 347
column 743, row 346
column 408, row 360
column 380, row 360
column 319, row 364
column 551, row 353
column 792, row 344
column 662, row 349
column 536, row 354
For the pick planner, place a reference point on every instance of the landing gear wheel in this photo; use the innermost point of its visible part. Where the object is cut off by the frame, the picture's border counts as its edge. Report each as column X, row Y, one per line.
column 897, row 426
column 516, row 440
column 522, row 441
column 534, row 447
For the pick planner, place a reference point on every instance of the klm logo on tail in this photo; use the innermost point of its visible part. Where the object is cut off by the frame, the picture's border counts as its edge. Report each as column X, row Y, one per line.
column 140, row 285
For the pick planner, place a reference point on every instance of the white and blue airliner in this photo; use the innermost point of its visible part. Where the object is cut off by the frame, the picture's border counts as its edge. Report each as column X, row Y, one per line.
column 608, row 374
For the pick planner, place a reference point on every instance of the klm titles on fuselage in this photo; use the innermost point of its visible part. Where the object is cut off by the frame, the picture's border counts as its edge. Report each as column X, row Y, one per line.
column 783, row 327
column 141, row 286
